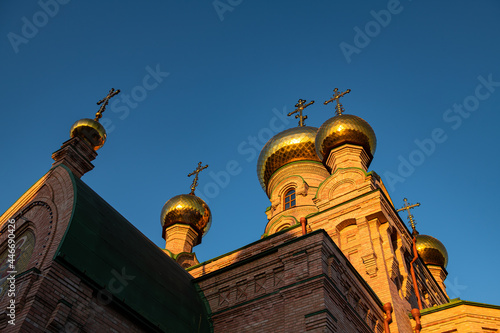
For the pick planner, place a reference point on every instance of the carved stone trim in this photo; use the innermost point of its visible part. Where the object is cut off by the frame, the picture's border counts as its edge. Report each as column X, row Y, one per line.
column 370, row 261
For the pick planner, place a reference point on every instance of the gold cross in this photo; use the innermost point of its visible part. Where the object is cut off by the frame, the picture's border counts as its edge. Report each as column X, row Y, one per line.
column 196, row 172
column 105, row 102
column 300, row 107
column 407, row 207
column 336, row 95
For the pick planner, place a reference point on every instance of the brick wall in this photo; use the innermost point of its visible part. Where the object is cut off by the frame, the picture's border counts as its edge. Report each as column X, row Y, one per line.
column 288, row 284
column 49, row 297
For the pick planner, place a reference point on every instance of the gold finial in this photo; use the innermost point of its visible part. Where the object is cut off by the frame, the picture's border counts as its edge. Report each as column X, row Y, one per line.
column 336, row 95
column 300, row 107
column 407, row 207
column 105, row 102
column 196, row 173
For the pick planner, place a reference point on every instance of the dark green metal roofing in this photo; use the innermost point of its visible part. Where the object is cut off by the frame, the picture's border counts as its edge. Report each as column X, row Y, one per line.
column 108, row 251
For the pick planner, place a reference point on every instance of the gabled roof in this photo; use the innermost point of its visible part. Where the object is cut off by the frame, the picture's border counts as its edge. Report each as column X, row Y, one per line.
column 107, row 251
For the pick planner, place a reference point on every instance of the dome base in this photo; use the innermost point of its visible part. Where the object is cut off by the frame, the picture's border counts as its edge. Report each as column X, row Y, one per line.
column 181, row 238
column 348, row 156
column 439, row 273
column 77, row 155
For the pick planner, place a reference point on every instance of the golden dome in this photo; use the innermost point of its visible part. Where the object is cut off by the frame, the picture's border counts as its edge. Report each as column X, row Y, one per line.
column 187, row 209
column 432, row 251
column 89, row 130
column 293, row 144
column 344, row 128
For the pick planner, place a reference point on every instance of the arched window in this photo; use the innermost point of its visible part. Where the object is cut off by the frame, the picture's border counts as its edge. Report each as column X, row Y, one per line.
column 290, row 199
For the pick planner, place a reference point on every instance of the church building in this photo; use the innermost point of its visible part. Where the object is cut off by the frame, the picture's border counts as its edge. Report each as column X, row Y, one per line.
column 335, row 256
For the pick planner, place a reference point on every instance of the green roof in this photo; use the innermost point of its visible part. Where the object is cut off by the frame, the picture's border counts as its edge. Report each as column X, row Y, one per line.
column 455, row 302
column 107, row 251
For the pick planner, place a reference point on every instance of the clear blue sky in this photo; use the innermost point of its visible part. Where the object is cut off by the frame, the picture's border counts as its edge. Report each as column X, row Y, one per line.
column 229, row 64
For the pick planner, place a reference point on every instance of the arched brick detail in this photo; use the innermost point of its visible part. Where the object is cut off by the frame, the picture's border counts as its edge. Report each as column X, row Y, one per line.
column 281, row 223
column 342, row 225
column 329, row 189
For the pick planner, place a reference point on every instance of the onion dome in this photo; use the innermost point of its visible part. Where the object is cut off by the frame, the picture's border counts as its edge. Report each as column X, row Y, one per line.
column 91, row 131
column 342, row 129
column 187, row 209
column 431, row 251
column 294, row 144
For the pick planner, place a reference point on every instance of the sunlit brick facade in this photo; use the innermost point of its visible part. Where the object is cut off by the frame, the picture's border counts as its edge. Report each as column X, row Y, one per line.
column 334, row 255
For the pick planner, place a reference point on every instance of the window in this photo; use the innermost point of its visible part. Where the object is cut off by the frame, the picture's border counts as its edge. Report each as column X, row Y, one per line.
column 290, row 199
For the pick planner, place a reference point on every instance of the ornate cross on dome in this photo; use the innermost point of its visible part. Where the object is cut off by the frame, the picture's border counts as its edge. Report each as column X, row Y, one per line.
column 196, row 173
column 336, row 95
column 105, row 102
column 300, row 107
column 407, row 207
